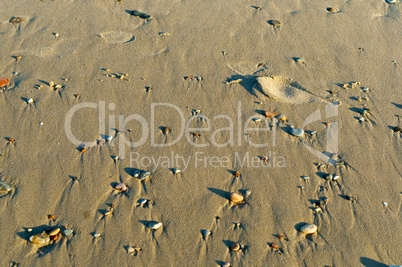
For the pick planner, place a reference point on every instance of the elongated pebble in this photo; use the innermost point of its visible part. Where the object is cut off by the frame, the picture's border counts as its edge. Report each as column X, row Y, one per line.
column 308, row 229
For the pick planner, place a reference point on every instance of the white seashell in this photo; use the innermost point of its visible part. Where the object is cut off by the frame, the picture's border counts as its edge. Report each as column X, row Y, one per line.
column 68, row 232
column 390, row 1
column 225, row 264
column 335, row 177
column 42, row 239
column 142, row 201
column 256, row 120
column 313, row 132
column 305, row 177
column 114, row 157
column 361, row 119
column 130, row 249
column 109, row 137
column 30, row 101
column 121, row 187
column 96, row 235
column 297, row 132
column 308, row 229
column 292, row 126
column 385, row 204
column 154, row 225
column 329, row 177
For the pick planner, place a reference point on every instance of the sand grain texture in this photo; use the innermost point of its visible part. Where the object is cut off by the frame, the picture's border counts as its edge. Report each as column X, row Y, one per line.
column 98, row 39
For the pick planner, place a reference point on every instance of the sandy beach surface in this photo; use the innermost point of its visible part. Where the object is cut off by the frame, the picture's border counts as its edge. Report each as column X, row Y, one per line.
column 97, row 92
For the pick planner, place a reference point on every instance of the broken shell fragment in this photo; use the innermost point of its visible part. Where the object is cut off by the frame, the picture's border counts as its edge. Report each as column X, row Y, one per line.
column 297, row 132
column 5, row 186
column 42, row 239
column 141, row 174
column 3, row 81
column 308, row 229
column 331, row 9
column 206, row 233
column 236, row 246
column 234, row 81
column 139, row 14
column 269, row 114
column 305, row 177
column 335, row 177
column 96, row 235
column 30, row 101
column 154, row 225
column 121, row 187
column 329, row 177
column 236, row 198
column 176, row 171
column 52, row 231
column 282, row 117
column 274, row 22
column 16, row 20
column 225, row 264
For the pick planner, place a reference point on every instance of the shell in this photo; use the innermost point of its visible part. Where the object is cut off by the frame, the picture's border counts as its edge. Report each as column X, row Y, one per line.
column 140, row 14
column 299, row 60
column 30, row 101
column 142, row 175
column 305, row 177
column 236, row 198
column 329, row 177
column 5, row 186
column 109, row 137
column 274, row 22
column 121, row 187
column 236, row 246
column 270, row 114
column 130, row 250
column 236, row 174
column 176, row 171
column 331, row 9
column 96, row 235
column 335, row 177
column 282, row 117
column 154, row 225
column 308, row 229
column 42, row 239
column 274, row 246
column 297, row 132
column 68, row 232
column 54, row 231
column 3, row 81
column 256, row 120
column 225, row 264
column 206, row 233
column 16, row 20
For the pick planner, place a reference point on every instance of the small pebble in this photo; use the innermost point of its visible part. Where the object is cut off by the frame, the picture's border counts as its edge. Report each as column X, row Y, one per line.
column 96, row 235
column 275, row 23
column 305, row 177
column 30, row 100
column 297, row 132
column 308, row 229
column 68, row 232
column 385, row 204
column 335, row 177
column 313, row 132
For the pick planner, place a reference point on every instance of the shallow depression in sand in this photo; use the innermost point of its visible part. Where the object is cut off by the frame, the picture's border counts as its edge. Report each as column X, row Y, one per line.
column 117, row 37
